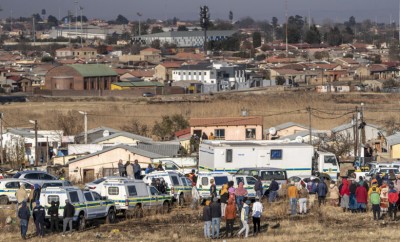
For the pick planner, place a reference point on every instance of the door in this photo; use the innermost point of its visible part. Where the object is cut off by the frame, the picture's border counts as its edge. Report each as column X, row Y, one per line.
column 101, row 205
column 154, row 196
column 88, row 175
column 90, row 205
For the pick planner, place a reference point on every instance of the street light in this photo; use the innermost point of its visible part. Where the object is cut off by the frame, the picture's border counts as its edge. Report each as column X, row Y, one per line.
column 85, row 123
column 36, row 141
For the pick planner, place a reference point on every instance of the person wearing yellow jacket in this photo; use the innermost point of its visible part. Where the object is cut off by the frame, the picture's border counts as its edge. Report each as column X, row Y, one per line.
column 374, row 185
column 293, row 195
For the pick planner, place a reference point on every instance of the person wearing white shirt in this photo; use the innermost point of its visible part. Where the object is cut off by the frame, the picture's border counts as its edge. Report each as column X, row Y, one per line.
column 195, row 198
column 257, row 212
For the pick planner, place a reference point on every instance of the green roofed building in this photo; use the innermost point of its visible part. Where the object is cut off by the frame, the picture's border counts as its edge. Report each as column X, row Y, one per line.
column 80, row 77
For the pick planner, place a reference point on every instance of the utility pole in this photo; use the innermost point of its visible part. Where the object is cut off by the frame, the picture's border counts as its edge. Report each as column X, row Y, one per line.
column 85, row 123
column 204, row 23
column 355, row 130
column 286, row 15
column 35, row 122
column 309, row 122
column 1, row 139
column 356, row 133
column 69, row 26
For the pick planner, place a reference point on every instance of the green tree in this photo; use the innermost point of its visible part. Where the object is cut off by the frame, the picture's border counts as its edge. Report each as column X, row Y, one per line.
column 334, row 37
column 182, row 28
column 246, row 22
column 256, row 39
column 295, row 28
column 394, row 51
column 52, row 20
column 169, row 125
column 47, row 59
column 230, row 16
column 156, row 44
column 156, row 29
column 313, row 36
column 280, row 80
column 319, row 55
column 135, row 127
column 121, row 20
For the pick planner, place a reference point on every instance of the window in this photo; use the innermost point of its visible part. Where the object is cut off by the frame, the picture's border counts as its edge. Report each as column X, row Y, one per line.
column 52, row 198
column 132, row 191
column 277, row 175
column 98, row 181
column 170, row 166
column 250, row 180
column 239, row 180
column 220, row 180
column 73, row 197
column 330, row 160
column 228, row 155
column 17, row 175
column 184, row 73
column 250, row 133
column 175, row 180
column 88, row 197
column 219, row 133
column 45, row 177
column 205, row 73
column 52, row 184
column 184, row 181
column 153, row 191
column 194, row 73
column 12, row 185
column 204, row 181
column 33, row 176
column 276, row 155
column 96, row 196
column 113, row 191
column 108, row 172
column 189, row 73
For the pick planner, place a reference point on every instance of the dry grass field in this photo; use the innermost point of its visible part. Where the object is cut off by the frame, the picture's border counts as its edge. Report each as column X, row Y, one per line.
column 326, row 224
column 276, row 108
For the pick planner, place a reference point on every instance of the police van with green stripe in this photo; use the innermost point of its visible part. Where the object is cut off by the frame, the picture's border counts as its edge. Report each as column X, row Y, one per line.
column 89, row 205
column 8, row 188
column 135, row 194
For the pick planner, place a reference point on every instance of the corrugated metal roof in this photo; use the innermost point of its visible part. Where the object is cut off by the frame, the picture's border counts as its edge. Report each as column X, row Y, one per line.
column 285, row 126
column 125, row 134
column 393, row 139
column 166, row 150
column 226, row 121
column 88, row 70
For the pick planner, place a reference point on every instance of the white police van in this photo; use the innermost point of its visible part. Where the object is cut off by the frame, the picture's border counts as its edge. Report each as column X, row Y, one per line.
column 88, row 205
column 135, row 194
column 204, row 182
column 8, row 188
column 178, row 186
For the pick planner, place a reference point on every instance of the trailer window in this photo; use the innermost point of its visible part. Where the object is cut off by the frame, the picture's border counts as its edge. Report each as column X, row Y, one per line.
column 250, row 180
column 229, row 155
column 113, row 191
column 73, row 197
column 276, row 154
column 204, row 181
column 53, row 198
column 132, row 191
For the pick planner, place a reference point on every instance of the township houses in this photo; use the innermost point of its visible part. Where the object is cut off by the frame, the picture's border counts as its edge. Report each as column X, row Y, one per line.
column 80, row 77
column 372, row 131
column 393, row 145
column 232, row 128
column 85, row 53
column 163, row 71
column 285, row 129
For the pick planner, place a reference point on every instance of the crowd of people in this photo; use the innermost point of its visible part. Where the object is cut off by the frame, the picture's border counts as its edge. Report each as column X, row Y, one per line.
column 134, row 170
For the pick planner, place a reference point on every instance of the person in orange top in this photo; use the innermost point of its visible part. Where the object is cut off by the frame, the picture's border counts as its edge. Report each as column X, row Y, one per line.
column 230, row 215
column 293, row 195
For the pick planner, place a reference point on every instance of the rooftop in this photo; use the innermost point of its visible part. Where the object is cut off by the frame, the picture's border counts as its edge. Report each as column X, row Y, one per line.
column 89, row 70
column 226, row 121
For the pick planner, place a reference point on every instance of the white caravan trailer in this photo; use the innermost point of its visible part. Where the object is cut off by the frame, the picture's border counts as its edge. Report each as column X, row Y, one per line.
column 295, row 158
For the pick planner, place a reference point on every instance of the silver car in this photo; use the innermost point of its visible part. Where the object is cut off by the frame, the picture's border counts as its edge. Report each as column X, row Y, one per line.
column 35, row 177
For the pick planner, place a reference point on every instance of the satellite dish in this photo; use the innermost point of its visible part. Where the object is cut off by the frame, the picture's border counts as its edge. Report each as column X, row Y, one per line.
column 286, row 140
column 106, row 133
column 272, row 131
column 299, row 139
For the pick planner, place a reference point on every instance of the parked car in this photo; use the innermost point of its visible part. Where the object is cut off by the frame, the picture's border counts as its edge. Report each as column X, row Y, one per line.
column 266, row 174
column 98, row 184
column 148, row 94
column 37, row 177
column 203, row 182
column 58, row 183
column 88, row 205
column 382, row 170
column 9, row 186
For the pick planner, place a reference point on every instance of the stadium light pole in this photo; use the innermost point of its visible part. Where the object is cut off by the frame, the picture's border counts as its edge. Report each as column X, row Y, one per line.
column 85, row 123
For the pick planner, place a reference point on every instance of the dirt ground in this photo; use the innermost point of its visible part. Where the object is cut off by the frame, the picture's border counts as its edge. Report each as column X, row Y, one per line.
column 182, row 224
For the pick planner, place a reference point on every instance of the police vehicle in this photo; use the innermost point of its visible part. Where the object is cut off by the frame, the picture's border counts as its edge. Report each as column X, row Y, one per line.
column 8, row 188
column 178, row 186
column 88, row 205
column 135, row 194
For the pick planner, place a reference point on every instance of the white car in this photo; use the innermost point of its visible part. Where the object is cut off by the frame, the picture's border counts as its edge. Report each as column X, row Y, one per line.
column 36, row 177
column 8, row 188
column 97, row 185
column 203, row 181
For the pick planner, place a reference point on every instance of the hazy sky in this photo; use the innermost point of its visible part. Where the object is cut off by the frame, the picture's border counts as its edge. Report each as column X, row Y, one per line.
column 336, row 10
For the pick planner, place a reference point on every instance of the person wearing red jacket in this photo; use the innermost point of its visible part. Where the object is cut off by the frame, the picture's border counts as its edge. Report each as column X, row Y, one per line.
column 393, row 197
column 362, row 198
column 345, row 195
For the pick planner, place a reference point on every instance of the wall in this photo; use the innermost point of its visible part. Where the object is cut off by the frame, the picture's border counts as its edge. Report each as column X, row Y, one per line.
column 289, row 131
column 119, row 140
column 231, row 132
column 395, row 152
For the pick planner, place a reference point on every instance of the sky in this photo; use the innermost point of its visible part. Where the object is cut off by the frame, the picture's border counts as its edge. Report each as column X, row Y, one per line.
column 319, row 10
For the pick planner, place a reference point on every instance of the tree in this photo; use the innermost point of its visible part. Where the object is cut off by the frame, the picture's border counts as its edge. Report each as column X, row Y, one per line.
column 135, row 127
column 246, row 22
column 71, row 123
column 84, row 19
column 15, row 152
column 339, row 144
column 156, row 44
column 182, row 28
column 230, row 16
column 256, row 39
column 390, row 83
column 313, row 36
column 37, row 17
column 394, row 51
column 121, row 20
column 319, row 55
column 280, row 80
column 334, row 37
column 294, row 29
column 156, row 29
column 169, row 125
column 52, row 20
column 43, row 11
column 47, row 59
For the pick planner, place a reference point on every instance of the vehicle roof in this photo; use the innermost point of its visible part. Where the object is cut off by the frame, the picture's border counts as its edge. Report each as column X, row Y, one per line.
column 164, row 172
column 14, row 179
column 109, row 178
column 32, row 171
column 262, row 168
column 61, row 189
column 213, row 173
column 305, row 176
column 123, row 182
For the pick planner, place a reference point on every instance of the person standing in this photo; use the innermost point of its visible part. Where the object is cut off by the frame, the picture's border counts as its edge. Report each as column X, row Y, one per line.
column 273, row 190
column 322, row 190
column 160, row 167
column 224, row 195
column 303, row 197
column 384, row 198
column 195, row 198
column 240, row 193
column 69, row 212
column 362, row 198
column 204, row 136
column 216, row 218
column 244, row 218
column 257, row 212
column 352, row 200
column 39, row 215
column 230, row 216
column 211, row 137
column 258, row 187
column 333, row 194
column 207, row 219
column 136, row 169
column 345, row 195
column 293, row 195
column 53, row 213
column 149, row 169
column 393, row 197
column 213, row 189
column 21, row 195
column 24, row 214
column 121, row 168
column 375, row 199
column 129, row 170
column 192, row 177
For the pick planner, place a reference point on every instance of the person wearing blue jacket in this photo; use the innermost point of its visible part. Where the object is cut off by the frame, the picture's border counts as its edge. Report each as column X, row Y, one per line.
column 322, row 190
column 24, row 214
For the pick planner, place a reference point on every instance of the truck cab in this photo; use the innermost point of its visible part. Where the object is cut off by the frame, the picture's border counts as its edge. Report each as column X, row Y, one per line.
column 89, row 205
column 325, row 163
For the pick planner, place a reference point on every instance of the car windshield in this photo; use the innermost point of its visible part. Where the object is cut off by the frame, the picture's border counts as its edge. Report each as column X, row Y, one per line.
column 330, row 159
column 17, row 175
column 98, row 181
column 277, row 175
column 52, row 184
column 220, row 180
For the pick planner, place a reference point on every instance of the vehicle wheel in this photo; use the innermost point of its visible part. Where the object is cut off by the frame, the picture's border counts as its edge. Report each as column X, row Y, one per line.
column 4, row 200
column 165, row 207
column 181, row 199
column 110, row 217
column 81, row 222
column 138, row 211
